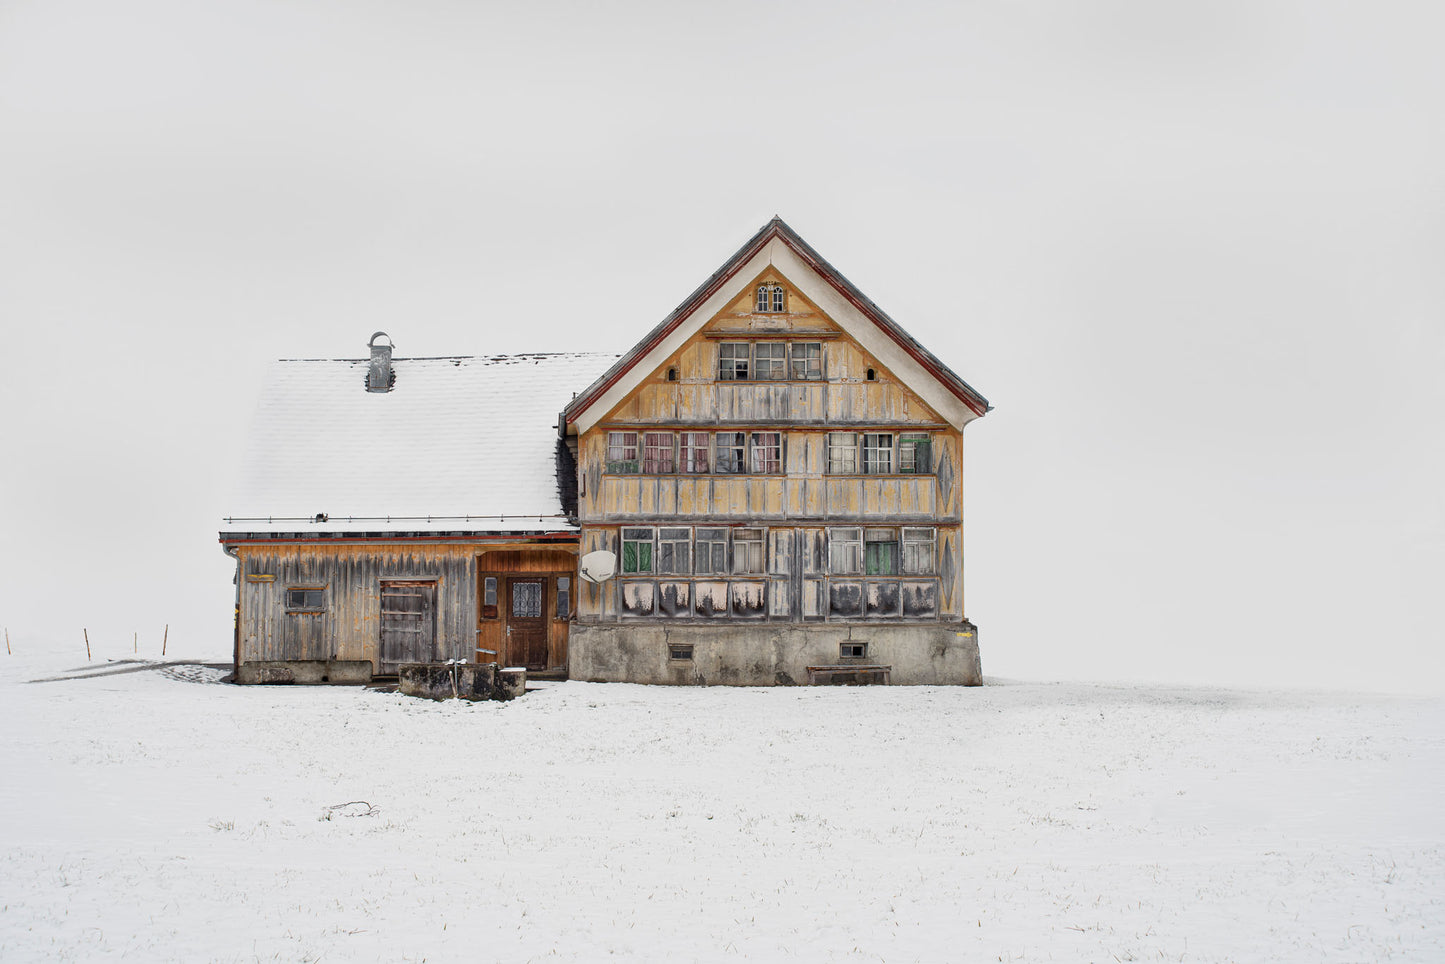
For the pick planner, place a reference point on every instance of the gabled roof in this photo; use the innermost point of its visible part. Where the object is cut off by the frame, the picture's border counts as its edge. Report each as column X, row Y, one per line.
column 686, row 315
column 463, row 444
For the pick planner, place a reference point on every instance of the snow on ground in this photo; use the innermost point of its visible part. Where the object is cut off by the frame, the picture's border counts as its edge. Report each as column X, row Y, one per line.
column 155, row 815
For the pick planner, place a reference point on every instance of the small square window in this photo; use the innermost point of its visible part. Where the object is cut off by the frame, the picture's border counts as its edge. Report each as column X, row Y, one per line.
column 747, row 550
column 877, row 454
column 622, row 453
column 852, row 650
column 914, row 455
column 680, row 651
column 842, row 453
column 732, row 362
column 636, row 550
column 731, row 453
column 770, row 360
column 305, row 600
column 806, row 361
column 694, row 446
column 657, row 453
column 767, row 453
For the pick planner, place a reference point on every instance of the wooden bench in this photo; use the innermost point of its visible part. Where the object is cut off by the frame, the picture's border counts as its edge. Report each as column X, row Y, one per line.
column 849, row 674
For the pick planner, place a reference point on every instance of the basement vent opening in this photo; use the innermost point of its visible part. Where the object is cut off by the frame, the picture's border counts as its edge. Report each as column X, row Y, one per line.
column 680, row 651
column 852, row 650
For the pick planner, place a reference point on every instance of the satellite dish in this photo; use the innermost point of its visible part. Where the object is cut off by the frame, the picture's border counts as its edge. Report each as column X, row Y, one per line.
column 598, row 566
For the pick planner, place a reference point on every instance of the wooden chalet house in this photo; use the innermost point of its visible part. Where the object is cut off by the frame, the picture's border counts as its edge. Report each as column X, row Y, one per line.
column 766, row 489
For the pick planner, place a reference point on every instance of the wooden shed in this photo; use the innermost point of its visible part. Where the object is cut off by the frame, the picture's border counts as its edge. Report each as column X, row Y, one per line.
column 397, row 510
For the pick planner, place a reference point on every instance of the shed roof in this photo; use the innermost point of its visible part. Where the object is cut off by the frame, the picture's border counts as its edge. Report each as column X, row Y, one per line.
column 460, row 444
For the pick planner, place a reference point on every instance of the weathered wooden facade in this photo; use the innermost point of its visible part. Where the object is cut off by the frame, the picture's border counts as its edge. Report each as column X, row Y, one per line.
column 773, row 477
column 777, row 468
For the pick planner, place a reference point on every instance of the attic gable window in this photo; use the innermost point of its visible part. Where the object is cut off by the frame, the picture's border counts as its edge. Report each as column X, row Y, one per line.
column 771, row 298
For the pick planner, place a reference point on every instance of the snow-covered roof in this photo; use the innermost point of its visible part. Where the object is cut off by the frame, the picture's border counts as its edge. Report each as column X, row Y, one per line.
column 463, row 444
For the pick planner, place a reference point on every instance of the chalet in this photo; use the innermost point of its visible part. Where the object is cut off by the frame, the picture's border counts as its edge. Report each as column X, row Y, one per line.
column 766, row 489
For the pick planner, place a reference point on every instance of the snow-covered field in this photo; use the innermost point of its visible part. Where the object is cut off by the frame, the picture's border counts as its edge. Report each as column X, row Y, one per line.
column 154, row 815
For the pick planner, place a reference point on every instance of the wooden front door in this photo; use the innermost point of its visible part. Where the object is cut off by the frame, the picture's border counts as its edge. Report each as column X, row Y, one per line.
column 527, row 622
column 408, row 623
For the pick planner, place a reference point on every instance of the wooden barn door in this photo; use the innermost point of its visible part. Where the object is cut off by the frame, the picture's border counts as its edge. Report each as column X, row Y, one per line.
column 408, row 623
column 527, row 622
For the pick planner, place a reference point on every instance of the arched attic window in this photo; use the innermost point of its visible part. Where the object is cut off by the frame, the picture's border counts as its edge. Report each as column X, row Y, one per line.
column 771, row 298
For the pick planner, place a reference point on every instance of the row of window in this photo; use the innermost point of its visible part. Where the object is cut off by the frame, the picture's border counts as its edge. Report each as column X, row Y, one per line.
column 852, row 551
column 740, row 361
column 761, row 453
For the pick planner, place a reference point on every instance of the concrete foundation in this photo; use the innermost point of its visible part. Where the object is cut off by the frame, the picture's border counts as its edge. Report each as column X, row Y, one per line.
column 464, row 681
column 920, row 654
column 335, row 671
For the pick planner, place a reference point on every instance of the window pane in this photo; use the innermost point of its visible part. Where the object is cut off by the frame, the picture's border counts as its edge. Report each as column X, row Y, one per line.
column 914, row 455
column 657, row 453
column 767, row 453
column 694, row 452
column 842, row 453
column 770, row 360
column 777, row 297
column 918, row 555
column 732, row 364
column 762, row 302
column 845, row 551
column 622, row 452
column 877, row 454
column 564, row 597
column 731, row 452
column 747, row 550
column 489, row 591
column 806, row 361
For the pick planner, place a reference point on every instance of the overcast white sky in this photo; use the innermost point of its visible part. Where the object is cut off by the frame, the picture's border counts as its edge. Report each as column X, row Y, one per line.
column 1192, row 252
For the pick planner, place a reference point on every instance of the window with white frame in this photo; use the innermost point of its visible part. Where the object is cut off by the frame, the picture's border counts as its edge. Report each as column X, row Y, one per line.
column 732, row 360
column 622, row 453
column 693, row 450
column 842, row 453
column 805, row 360
column 674, row 551
column 657, row 453
column 712, row 551
column 845, row 551
column 770, row 360
column 918, row 551
column 770, row 297
column 766, row 453
column 747, row 550
column 636, row 550
column 877, row 453
column 880, row 552
column 731, row 453
column 915, row 456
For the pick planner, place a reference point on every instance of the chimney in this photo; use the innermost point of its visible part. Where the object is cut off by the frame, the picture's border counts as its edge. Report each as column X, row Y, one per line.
column 380, row 377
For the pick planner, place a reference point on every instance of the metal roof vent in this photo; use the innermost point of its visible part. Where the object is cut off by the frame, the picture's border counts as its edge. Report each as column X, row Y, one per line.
column 380, row 376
